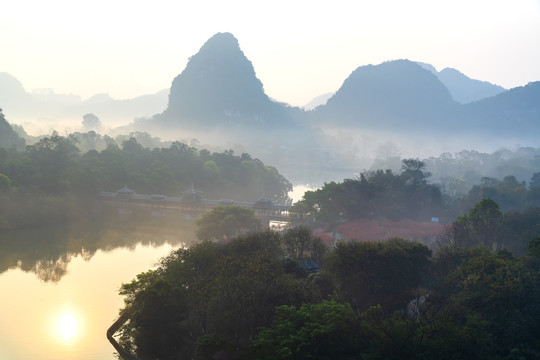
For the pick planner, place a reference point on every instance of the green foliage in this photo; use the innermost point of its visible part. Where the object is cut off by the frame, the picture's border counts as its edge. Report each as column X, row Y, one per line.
column 458, row 173
column 224, row 290
column 509, row 193
column 312, row 331
column 504, row 292
column 375, row 195
column 208, row 345
column 5, row 182
column 54, row 168
column 386, row 273
column 485, row 224
column 9, row 139
column 299, row 244
column 226, row 221
column 534, row 247
column 413, row 171
column 481, row 226
column 391, row 301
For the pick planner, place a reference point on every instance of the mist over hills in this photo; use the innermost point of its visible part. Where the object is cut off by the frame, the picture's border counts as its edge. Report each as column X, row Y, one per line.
column 43, row 108
column 515, row 112
column 219, row 100
column 407, row 97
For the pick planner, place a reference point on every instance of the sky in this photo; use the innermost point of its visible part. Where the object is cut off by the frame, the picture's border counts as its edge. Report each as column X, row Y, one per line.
column 299, row 49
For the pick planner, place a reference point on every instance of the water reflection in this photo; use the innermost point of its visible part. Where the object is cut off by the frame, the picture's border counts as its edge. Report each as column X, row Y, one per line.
column 67, row 326
column 60, row 285
column 47, row 252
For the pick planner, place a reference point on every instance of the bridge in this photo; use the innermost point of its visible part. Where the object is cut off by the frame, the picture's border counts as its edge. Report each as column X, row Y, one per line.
column 191, row 204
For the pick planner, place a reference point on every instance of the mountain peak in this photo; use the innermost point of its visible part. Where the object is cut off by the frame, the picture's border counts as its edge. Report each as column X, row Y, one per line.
column 398, row 91
column 219, row 85
column 220, row 41
column 463, row 88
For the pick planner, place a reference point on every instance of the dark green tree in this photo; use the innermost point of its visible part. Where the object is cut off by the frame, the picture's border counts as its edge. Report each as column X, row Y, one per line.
column 481, row 226
column 413, row 171
column 226, row 221
column 299, row 244
column 312, row 331
column 370, row 273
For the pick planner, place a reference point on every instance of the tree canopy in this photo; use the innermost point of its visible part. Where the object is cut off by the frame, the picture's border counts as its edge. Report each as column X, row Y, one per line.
column 378, row 194
column 226, row 221
column 54, row 168
column 392, row 300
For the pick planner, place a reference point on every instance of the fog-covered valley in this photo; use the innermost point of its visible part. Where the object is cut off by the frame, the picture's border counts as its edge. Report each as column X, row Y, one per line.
column 341, row 181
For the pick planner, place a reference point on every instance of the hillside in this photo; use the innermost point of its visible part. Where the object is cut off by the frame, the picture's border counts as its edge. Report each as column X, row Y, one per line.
column 515, row 112
column 398, row 93
column 8, row 137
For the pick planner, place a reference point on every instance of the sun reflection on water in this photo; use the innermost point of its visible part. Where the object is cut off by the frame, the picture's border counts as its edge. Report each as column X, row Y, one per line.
column 67, row 326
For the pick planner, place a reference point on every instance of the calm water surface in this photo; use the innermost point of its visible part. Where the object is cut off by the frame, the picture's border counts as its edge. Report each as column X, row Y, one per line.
column 59, row 287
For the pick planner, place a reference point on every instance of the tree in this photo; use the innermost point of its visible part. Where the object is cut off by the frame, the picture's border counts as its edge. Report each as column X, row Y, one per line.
column 8, row 137
column 227, row 290
column 481, row 226
column 535, row 181
column 299, row 244
column 5, row 182
column 91, row 122
column 226, row 221
column 413, row 171
column 312, row 331
column 504, row 291
column 55, row 157
column 371, row 273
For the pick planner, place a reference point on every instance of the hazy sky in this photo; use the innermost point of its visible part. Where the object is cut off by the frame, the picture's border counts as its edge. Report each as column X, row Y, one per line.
column 299, row 49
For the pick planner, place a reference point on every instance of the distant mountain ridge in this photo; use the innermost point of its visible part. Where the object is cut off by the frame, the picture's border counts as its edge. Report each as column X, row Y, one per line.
column 317, row 101
column 405, row 96
column 464, row 89
column 219, row 91
column 44, row 104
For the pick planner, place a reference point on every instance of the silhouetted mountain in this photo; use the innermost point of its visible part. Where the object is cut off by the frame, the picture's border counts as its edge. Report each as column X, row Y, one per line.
column 515, row 112
column 462, row 88
column 219, row 87
column 398, row 93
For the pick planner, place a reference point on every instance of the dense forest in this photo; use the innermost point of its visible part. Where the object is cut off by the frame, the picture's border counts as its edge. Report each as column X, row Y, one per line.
column 51, row 181
column 287, row 296
column 472, row 294
column 512, row 213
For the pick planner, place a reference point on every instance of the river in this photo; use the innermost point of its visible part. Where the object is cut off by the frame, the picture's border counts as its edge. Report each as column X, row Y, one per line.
column 59, row 286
